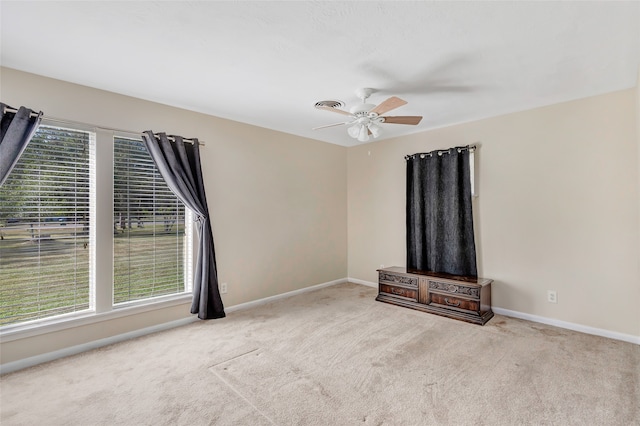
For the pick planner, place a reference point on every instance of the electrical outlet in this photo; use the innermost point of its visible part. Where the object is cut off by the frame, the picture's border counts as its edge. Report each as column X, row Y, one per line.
column 223, row 288
column 552, row 296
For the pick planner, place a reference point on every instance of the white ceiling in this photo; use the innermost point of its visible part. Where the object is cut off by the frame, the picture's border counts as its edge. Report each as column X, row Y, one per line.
column 267, row 63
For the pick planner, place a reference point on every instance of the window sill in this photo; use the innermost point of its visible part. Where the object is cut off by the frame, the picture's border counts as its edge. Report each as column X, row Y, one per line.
column 38, row 327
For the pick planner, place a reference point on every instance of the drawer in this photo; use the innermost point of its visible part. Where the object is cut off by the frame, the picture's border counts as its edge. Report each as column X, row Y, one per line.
column 455, row 302
column 398, row 279
column 454, row 289
column 396, row 291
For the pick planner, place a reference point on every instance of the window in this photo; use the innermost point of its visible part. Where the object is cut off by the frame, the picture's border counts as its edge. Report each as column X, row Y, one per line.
column 48, row 225
column 148, row 225
column 44, row 233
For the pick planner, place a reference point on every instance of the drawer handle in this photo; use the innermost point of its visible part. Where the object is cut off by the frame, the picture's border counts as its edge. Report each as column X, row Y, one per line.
column 398, row 292
column 446, row 300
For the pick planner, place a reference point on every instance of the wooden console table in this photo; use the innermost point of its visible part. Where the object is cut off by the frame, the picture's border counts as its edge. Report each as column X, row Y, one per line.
column 463, row 298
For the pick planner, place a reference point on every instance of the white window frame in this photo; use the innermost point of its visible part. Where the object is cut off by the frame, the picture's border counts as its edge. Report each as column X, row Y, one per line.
column 102, row 307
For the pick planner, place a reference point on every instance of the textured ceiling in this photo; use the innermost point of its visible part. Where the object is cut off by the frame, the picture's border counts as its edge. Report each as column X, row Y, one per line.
column 268, row 63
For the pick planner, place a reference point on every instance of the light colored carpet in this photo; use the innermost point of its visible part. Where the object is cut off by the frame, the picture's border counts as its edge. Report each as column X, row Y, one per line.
column 336, row 357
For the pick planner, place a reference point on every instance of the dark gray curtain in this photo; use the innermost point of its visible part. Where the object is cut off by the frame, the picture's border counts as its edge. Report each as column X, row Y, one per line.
column 439, row 214
column 179, row 165
column 16, row 130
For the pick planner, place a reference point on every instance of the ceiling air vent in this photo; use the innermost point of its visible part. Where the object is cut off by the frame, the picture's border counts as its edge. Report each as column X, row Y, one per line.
column 329, row 104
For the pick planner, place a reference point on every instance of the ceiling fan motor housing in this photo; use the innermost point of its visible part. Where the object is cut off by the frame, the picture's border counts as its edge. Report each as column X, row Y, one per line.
column 361, row 109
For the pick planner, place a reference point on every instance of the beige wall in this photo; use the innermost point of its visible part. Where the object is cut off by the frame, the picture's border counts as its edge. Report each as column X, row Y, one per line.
column 557, row 208
column 638, row 152
column 277, row 201
column 558, row 205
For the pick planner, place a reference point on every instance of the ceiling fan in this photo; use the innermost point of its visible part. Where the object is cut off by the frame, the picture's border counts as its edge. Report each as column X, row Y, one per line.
column 365, row 119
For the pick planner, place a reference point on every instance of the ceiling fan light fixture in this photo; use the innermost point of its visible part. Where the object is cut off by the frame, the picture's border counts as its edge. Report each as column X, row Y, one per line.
column 354, row 131
column 375, row 130
column 363, row 136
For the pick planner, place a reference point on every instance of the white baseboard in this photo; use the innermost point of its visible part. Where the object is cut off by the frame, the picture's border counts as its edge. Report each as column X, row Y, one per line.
column 543, row 320
column 73, row 350
column 270, row 299
column 568, row 325
column 362, row 282
column 50, row 356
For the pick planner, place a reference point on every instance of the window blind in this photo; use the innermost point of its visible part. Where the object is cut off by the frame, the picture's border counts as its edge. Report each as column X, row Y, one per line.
column 148, row 225
column 44, row 228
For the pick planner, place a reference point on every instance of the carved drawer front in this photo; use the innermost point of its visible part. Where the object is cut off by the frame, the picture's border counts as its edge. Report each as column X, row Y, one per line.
column 398, row 279
column 455, row 289
column 401, row 292
column 455, row 302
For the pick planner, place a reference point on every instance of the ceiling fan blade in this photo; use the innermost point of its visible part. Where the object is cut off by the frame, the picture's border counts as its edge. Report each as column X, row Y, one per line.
column 391, row 103
column 339, row 111
column 403, row 119
column 331, row 125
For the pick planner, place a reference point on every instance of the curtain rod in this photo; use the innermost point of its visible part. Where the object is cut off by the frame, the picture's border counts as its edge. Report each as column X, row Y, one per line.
column 470, row 148
column 173, row 139
column 14, row 111
column 76, row 123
